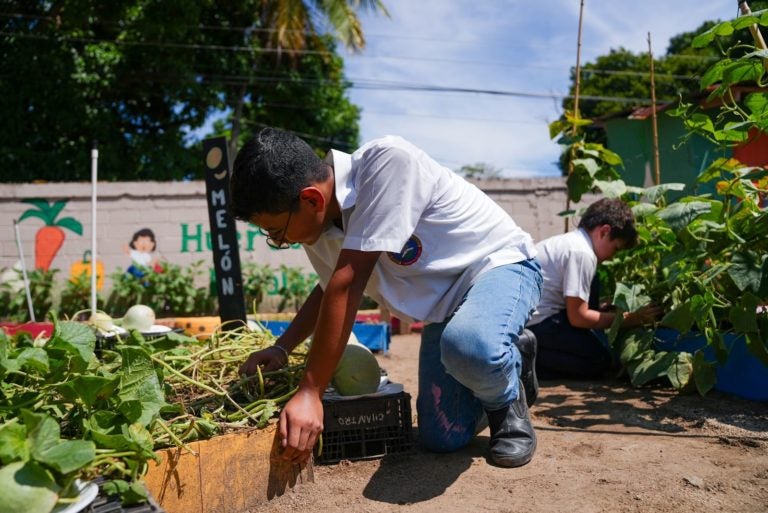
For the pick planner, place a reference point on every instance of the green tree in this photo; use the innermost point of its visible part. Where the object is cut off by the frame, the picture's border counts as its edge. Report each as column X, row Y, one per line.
column 139, row 75
column 480, row 171
column 620, row 81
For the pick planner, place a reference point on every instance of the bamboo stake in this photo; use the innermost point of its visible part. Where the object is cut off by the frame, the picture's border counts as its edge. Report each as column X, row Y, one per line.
column 575, row 104
column 654, row 119
column 755, row 30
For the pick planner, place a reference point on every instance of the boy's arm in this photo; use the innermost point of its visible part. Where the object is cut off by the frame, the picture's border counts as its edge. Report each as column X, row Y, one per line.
column 581, row 316
column 301, row 420
column 272, row 358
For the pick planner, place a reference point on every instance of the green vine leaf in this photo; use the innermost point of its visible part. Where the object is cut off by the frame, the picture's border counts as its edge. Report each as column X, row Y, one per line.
column 27, row 487
column 746, row 271
column 678, row 215
column 680, row 371
column 630, row 298
column 704, row 373
column 679, row 318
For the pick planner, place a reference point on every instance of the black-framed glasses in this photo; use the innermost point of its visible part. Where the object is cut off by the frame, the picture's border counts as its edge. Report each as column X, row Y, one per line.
column 275, row 242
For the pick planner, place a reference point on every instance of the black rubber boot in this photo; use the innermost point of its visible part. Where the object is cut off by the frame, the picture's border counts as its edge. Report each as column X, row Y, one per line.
column 526, row 344
column 513, row 440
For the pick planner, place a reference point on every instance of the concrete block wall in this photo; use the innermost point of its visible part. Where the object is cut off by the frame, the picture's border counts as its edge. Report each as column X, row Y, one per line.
column 177, row 214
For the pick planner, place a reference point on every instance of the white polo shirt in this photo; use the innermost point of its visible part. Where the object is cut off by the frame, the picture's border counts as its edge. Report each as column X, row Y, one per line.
column 437, row 231
column 568, row 264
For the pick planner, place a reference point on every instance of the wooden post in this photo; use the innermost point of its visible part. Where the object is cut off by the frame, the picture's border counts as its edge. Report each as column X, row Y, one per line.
column 575, row 105
column 654, row 120
column 755, row 30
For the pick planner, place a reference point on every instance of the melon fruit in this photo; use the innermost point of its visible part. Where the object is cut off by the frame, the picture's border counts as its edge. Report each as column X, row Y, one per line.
column 357, row 372
column 139, row 317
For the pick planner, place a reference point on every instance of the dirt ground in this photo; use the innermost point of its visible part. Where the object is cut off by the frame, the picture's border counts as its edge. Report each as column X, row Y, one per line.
column 602, row 447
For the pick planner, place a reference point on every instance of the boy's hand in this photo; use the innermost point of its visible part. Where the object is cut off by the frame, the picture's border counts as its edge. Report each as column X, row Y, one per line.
column 644, row 315
column 269, row 359
column 301, row 421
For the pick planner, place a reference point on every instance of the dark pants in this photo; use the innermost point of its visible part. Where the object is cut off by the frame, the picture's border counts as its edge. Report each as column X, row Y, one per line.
column 568, row 352
column 565, row 351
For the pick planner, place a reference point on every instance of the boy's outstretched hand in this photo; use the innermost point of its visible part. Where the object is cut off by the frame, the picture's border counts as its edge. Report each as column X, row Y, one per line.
column 301, row 422
column 269, row 359
column 644, row 315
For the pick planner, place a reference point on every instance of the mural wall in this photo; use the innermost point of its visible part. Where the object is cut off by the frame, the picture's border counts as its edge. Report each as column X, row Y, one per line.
column 141, row 224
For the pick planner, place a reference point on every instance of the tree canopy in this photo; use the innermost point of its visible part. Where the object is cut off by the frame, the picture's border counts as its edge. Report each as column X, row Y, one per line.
column 142, row 76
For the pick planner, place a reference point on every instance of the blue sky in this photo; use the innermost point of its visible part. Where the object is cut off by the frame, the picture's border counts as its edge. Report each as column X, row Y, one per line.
column 502, row 45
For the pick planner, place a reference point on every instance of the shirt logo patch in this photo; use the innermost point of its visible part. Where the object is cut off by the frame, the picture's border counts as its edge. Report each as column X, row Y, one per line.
column 410, row 253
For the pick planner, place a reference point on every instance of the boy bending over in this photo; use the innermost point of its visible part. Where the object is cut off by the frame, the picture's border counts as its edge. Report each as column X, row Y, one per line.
column 391, row 222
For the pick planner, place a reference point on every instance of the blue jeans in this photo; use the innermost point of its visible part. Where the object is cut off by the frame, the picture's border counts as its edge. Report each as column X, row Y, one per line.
column 470, row 363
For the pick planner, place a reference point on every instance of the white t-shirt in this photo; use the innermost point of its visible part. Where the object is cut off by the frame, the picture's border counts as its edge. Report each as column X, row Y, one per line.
column 438, row 232
column 568, row 264
column 141, row 257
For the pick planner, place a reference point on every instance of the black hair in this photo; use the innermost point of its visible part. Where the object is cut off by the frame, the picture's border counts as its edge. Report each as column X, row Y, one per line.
column 144, row 232
column 616, row 214
column 270, row 171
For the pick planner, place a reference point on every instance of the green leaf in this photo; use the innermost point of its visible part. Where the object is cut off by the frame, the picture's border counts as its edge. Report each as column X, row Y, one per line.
column 700, row 123
column 743, row 71
column 13, row 443
column 654, row 366
column 745, row 21
column 129, row 493
column 42, row 432
column 70, row 223
column 557, row 127
column 75, row 338
column 68, row 455
column 757, row 103
column 679, row 318
column 140, row 438
column 704, row 373
column 630, row 298
column 630, row 350
column 579, row 183
column 716, row 170
column 743, row 315
column 27, row 487
column 714, row 74
column 34, row 213
column 715, row 339
column 680, row 371
column 657, row 192
column 746, row 271
column 589, row 165
column 105, row 428
column 678, row 215
column 34, row 358
column 707, row 37
column 55, row 209
column 641, row 210
column 612, row 189
column 139, row 382
column 92, row 389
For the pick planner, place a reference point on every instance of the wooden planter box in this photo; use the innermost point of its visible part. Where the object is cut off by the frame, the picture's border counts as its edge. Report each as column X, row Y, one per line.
column 228, row 474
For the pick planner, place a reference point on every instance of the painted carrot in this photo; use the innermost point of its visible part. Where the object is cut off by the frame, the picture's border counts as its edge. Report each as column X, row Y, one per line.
column 48, row 241
column 50, row 237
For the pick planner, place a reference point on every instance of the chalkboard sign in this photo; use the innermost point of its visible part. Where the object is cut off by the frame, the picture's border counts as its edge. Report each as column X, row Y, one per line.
column 226, row 255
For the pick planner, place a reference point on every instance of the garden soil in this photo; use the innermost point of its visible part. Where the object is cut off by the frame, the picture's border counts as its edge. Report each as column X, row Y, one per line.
column 602, row 447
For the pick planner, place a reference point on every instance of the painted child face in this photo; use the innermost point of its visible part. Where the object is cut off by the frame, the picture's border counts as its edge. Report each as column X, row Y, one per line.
column 144, row 244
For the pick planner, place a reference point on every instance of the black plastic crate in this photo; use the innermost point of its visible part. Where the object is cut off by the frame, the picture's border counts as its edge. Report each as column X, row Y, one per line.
column 366, row 428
